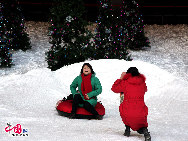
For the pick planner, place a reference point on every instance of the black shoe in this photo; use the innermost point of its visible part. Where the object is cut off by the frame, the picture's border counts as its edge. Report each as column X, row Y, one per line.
column 147, row 134
column 147, row 137
column 72, row 116
column 127, row 133
column 140, row 131
column 99, row 117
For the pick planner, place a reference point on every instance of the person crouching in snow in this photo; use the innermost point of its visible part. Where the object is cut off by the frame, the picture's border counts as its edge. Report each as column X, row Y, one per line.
column 89, row 87
column 133, row 110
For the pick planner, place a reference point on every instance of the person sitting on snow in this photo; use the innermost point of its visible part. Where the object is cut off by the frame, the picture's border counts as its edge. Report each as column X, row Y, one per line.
column 89, row 87
column 133, row 110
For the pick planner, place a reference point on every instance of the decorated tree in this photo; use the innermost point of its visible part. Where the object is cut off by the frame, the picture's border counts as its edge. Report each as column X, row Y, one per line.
column 70, row 39
column 5, row 56
column 15, row 25
column 132, row 25
column 109, row 40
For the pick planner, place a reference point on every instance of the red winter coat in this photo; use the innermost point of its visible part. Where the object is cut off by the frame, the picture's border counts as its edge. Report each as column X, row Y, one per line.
column 133, row 110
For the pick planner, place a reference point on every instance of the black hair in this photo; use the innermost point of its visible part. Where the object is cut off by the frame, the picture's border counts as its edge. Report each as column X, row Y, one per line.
column 87, row 64
column 133, row 71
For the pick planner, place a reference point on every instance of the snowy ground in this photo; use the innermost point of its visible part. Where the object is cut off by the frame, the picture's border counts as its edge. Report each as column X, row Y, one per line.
column 29, row 91
column 169, row 48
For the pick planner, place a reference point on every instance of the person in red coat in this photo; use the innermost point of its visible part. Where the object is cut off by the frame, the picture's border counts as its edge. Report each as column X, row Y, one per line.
column 133, row 110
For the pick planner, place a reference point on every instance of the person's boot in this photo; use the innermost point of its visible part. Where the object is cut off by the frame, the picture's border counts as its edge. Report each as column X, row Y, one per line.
column 146, row 134
column 127, row 131
column 140, row 131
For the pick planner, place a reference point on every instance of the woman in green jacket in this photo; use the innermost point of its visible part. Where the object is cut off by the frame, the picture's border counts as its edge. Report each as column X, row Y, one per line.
column 89, row 87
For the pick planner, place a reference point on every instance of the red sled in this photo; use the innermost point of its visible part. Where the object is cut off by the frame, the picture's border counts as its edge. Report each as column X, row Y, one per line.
column 64, row 108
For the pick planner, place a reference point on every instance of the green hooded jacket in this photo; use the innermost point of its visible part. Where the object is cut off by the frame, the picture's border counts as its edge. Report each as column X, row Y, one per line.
column 96, row 89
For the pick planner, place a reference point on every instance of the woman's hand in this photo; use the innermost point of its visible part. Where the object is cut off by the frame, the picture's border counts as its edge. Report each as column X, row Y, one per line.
column 87, row 96
column 122, row 75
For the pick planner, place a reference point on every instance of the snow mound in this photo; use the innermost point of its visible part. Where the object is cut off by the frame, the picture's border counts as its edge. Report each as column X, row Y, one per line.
column 30, row 98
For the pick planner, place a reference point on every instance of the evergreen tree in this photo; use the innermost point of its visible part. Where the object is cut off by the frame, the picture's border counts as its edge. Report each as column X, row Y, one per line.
column 70, row 39
column 110, row 44
column 12, row 13
column 5, row 56
column 133, row 26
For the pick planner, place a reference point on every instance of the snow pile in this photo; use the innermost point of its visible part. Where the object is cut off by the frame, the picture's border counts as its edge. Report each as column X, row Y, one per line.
column 29, row 99
column 169, row 48
column 35, row 57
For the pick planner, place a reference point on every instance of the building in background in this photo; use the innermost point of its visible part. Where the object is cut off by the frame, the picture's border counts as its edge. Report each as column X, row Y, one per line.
column 154, row 12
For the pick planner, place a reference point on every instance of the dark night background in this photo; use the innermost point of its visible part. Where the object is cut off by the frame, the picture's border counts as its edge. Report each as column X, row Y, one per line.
column 154, row 11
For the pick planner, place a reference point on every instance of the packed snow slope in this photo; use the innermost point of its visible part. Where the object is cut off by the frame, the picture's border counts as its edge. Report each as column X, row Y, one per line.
column 29, row 99
column 29, row 91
